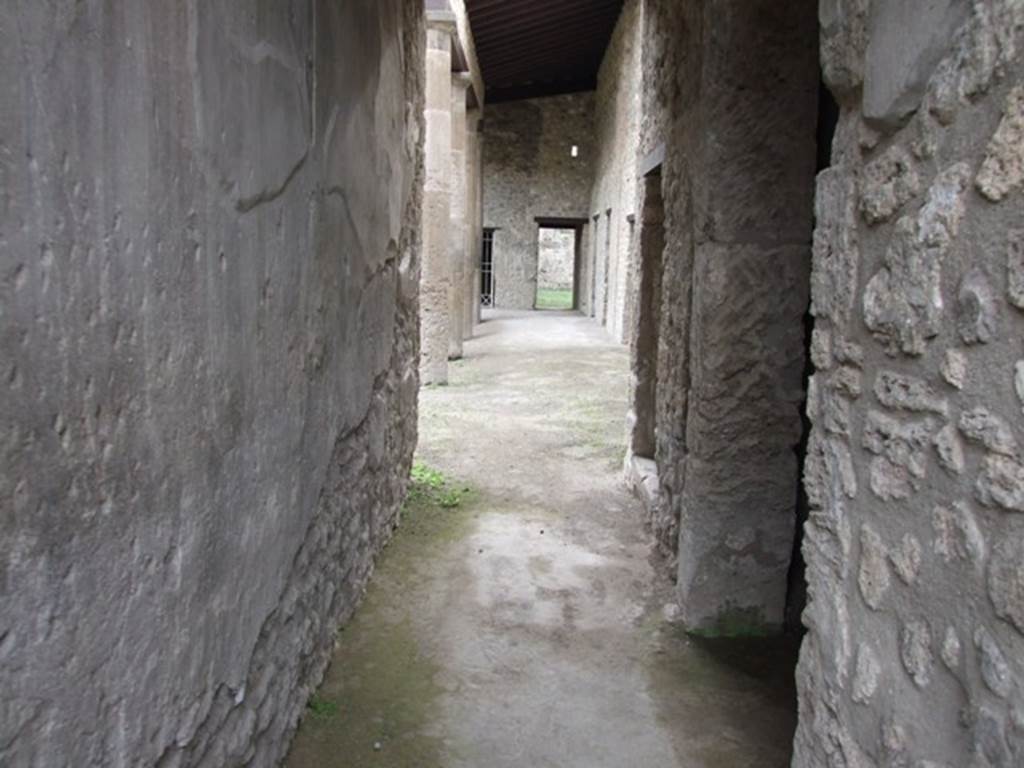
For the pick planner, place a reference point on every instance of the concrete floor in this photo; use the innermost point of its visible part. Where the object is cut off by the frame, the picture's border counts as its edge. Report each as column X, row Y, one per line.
column 525, row 627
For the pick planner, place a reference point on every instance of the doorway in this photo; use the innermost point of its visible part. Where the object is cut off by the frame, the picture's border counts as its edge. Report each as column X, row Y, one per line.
column 645, row 340
column 558, row 263
column 555, row 268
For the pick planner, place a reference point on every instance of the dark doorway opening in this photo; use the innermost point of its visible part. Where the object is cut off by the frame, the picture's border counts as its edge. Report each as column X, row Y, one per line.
column 796, row 592
column 652, row 243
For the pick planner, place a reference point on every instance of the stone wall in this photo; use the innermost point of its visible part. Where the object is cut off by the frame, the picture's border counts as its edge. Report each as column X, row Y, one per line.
column 730, row 88
column 614, row 194
column 529, row 171
column 915, row 544
column 208, row 269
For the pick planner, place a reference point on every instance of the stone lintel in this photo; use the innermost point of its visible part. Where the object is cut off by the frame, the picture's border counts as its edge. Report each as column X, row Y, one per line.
column 443, row 19
column 652, row 162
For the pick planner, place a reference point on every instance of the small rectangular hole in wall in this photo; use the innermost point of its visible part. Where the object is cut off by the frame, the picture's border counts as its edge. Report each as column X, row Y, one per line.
column 575, row 151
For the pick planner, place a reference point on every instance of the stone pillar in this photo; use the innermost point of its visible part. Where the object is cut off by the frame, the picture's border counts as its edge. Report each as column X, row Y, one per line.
column 749, row 285
column 435, row 280
column 474, row 224
column 478, row 218
column 457, row 230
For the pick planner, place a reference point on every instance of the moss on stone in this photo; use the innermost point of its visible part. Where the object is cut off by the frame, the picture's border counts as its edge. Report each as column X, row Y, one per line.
column 737, row 622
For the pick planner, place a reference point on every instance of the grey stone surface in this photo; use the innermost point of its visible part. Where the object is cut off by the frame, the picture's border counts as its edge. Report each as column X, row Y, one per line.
column 737, row 195
column 529, row 171
column 209, row 218
column 725, row 313
column 436, row 289
column 905, row 42
column 931, row 465
column 616, row 127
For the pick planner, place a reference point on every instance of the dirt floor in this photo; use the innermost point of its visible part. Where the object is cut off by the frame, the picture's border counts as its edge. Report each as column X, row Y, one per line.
column 518, row 617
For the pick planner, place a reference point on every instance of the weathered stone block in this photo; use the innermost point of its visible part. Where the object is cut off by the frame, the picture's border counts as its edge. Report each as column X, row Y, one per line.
column 1003, row 168
column 977, row 317
column 887, row 184
column 905, row 43
column 743, row 422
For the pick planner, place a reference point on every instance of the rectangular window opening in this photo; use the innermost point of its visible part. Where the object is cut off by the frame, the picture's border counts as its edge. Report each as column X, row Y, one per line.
column 487, row 269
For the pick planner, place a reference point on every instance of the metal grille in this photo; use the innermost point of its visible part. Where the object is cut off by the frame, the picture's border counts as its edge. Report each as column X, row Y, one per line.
column 487, row 270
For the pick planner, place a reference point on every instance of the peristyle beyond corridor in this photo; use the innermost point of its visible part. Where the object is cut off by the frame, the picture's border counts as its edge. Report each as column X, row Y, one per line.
column 527, row 625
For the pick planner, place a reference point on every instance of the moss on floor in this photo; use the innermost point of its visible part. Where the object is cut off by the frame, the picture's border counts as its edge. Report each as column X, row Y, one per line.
column 380, row 695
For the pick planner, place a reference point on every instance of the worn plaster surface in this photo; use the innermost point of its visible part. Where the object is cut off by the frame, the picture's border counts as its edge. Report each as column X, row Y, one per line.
column 526, row 627
column 208, row 268
column 617, row 111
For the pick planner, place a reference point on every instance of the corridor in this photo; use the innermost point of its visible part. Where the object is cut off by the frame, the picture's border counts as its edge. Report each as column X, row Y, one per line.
column 306, row 460
column 514, row 621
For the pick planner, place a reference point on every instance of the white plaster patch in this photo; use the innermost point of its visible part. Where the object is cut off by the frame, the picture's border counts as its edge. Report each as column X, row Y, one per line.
column 865, row 676
column 1018, row 381
column 873, row 574
column 994, row 669
column 957, row 535
column 954, row 368
column 916, row 651
column 951, row 650
column 950, row 449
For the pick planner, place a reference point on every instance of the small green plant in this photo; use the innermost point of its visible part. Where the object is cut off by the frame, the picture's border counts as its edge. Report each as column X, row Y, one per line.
column 424, row 475
column 320, row 707
column 450, row 498
column 430, row 487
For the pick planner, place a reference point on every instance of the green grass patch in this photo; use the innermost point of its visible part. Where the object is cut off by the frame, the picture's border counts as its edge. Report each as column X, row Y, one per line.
column 549, row 298
column 321, row 707
column 428, row 486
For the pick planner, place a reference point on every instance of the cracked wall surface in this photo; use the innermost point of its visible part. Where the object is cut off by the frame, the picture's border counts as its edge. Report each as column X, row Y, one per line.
column 208, row 277
column 915, row 564
column 529, row 171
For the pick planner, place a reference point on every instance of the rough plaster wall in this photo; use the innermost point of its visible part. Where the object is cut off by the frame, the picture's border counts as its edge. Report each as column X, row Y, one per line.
column 673, row 54
column 208, row 269
column 529, row 172
column 617, row 105
column 654, row 79
column 557, row 253
column 915, row 543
